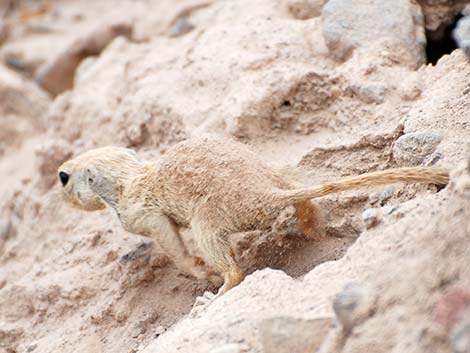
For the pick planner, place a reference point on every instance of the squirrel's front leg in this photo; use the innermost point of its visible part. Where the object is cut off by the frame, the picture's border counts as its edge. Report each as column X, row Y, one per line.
column 163, row 230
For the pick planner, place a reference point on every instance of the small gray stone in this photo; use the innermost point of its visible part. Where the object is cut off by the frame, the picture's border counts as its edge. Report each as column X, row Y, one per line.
column 388, row 210
column 371, row 217
column 142, row 249
column 181, row 26
column 353, row 304
column 413, row 148
column 387, row 194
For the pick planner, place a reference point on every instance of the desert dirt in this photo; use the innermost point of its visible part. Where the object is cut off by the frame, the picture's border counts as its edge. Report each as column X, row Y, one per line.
column 266, row 73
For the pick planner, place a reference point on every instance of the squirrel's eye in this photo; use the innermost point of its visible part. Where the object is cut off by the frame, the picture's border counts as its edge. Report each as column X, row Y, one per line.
column 64, row 178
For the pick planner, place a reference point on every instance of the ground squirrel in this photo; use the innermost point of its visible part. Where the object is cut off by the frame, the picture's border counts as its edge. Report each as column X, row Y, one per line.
column 216, row 187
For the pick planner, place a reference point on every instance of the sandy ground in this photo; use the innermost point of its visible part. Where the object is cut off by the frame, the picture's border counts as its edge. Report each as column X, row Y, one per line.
column 76, row 281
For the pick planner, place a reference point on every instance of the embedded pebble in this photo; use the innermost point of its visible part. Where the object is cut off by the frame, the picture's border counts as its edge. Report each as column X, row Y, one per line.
column 414, row 147
column 371, row 217
column 141, row 249
column 353, row 304
column 387, row 194
column 181, row 26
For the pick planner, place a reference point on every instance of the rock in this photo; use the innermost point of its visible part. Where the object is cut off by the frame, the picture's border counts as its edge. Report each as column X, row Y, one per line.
column 181, row 26
column 461, row 34
column 15, row 61
column 287, row 334
column 140, row 264
column 57, row 74
column 387, row 194
column 141, row 250
column 368, row 92
column 413, row 148
column 351, row 24
column 354, row 304
column 371, row 217
column 230, row 348
column 305, row 9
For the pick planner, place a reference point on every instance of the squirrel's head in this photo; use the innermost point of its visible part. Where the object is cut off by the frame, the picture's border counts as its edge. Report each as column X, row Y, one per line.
column 93, row 178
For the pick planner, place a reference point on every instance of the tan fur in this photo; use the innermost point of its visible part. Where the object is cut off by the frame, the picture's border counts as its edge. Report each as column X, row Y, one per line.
column 215, row 187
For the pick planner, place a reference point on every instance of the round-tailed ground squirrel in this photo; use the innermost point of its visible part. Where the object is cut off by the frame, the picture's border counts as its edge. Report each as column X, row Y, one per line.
column 216, row 187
